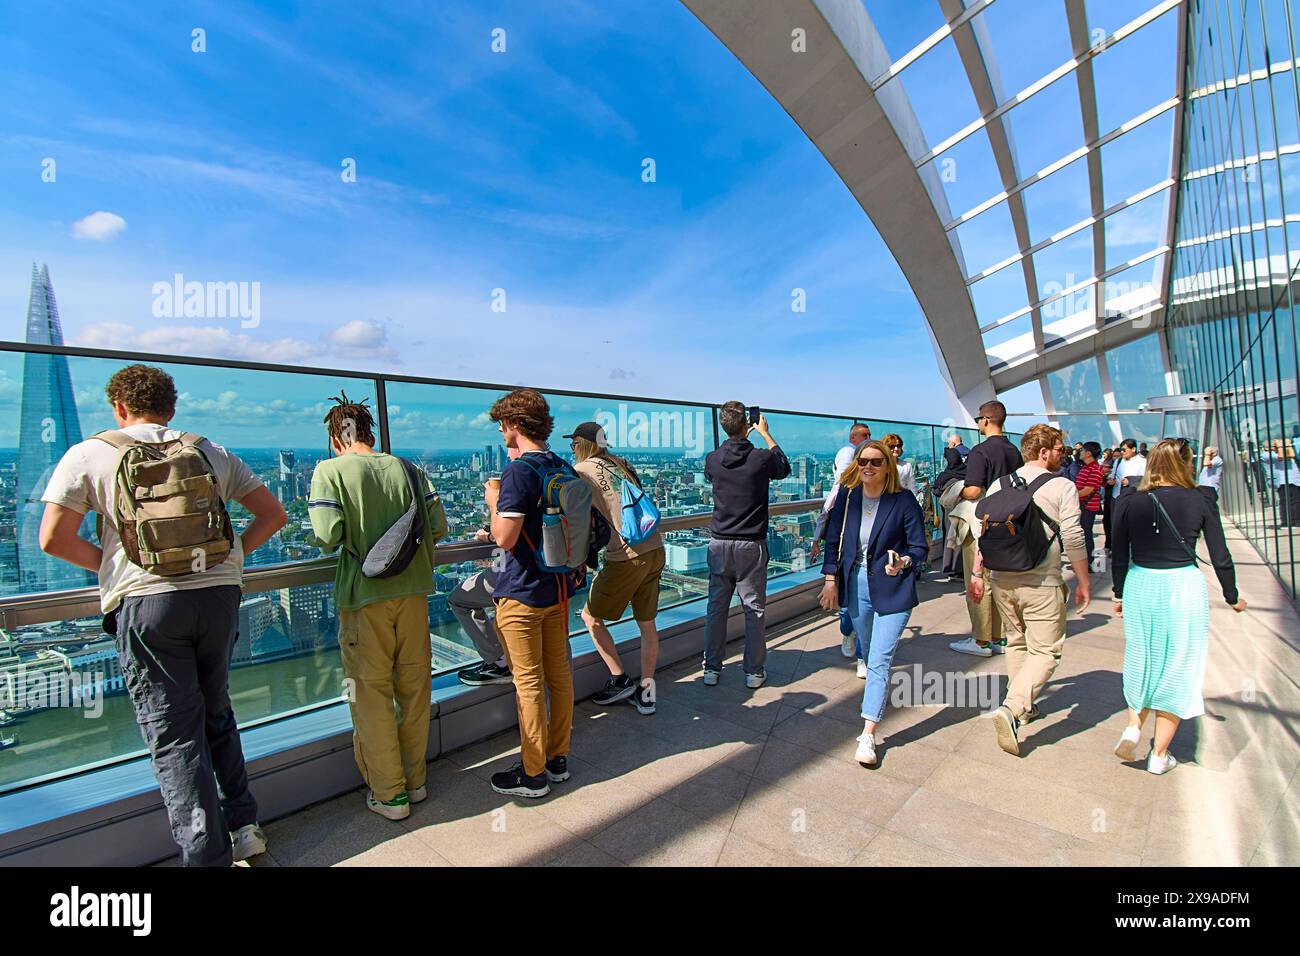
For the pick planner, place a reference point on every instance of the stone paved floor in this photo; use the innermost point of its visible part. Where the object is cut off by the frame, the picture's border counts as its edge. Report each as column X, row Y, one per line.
column 726, row 776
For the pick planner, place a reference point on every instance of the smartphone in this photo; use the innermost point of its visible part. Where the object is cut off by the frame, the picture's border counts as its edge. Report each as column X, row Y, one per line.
column 754, row 414
column 894, row 559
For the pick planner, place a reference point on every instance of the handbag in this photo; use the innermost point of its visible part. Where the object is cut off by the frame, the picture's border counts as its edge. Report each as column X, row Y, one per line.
column 1162, row 513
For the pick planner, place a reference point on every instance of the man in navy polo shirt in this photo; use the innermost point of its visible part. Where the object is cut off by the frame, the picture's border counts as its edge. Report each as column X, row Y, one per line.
column 532, row 605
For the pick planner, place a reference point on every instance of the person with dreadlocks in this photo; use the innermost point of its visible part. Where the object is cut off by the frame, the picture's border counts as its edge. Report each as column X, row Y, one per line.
column 355, row 498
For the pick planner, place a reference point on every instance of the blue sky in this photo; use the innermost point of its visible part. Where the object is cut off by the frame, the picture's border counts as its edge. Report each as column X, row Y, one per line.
column 476, row 171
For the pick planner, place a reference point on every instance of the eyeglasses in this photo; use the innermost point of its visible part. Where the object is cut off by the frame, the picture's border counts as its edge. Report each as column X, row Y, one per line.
column 871, row 462
column 980, row 418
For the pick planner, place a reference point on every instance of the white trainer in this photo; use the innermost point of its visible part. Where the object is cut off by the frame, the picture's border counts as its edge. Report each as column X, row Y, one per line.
column 755, row 681
column 249, row 841
column 862, row 669
column 1126, row 749
column 968, row 645
column 711, row 678
column 866, row 754
column 849, row 645
column 1159, row 765
column 418, row 795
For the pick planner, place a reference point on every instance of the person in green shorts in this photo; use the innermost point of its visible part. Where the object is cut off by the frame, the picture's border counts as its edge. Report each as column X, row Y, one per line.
column 383, row 622
column 630, row 574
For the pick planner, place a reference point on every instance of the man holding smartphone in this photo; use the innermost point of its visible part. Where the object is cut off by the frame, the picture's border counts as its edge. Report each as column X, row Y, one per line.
column 740, row 475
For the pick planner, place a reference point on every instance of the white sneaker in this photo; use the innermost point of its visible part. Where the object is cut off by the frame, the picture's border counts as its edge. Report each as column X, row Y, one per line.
column 416, row 796
column 1126, row 749
column 1159, row 765
column 398, row 809
column 866, row 754
column 711, row 678
column 249, row 841
column 968, row 645
column 849, row 645
column 996, row 647
column 755, row 681
column 862, row 669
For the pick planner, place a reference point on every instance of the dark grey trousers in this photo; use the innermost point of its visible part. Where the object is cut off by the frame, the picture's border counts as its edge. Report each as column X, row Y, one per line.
column 736, row 566
column 175, row 650
column 470, row 603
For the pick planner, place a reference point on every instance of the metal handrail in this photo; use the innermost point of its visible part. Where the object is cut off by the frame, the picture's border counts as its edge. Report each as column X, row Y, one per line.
column 47, row 606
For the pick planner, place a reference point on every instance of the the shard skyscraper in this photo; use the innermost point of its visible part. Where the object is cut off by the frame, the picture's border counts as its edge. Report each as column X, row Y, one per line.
column 48, row 426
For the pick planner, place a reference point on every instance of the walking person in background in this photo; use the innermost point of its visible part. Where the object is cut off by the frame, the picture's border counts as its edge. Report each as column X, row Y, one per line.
column 988, row 461
column 947, row 489
column 1033, row 599
column 740, row 474
column 874, row 546
column 1091, row 482
column 858, row 433
column 906, row 473
column 356, row 497
column 630, row 574
column 1163, row 599
column 174, row 633
column 1211, row 473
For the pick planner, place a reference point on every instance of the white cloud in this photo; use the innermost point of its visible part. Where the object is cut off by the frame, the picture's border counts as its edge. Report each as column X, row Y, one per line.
column 207, row 341
column 360, row 334
column 99, row 226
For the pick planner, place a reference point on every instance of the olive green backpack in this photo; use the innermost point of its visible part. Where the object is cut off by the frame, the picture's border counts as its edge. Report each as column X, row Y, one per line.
column 167, row 508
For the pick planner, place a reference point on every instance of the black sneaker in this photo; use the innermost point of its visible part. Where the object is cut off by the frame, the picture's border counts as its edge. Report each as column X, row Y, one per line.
column 616, row 688
column 557, row 769
column 643, row 700
column 515, row 783
column 481, row 674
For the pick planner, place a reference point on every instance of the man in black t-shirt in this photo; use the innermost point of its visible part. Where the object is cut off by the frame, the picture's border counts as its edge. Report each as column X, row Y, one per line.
column 993, row 458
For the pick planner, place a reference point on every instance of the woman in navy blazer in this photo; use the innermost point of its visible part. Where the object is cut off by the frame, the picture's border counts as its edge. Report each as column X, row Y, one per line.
column 872, row 517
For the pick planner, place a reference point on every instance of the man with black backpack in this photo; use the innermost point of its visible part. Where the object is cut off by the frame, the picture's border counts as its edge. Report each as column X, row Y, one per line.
column 1027, row 519
column 170, row 595
column 386, row 517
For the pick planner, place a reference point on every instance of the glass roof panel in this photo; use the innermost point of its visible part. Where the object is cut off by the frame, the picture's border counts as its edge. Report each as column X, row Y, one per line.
column 1046, row 126
column 1137, row 229
column 1109, row 15
column 1077, row 387
column 1149, row 53
column 1136, row 372
column 1134, row 289
column 1024, row 405
column 1000, row 294
column 968, row 172
column 903, row 25
column 940, row 93
column 1060, row 200
column 1064, row 264
column 1136, row 160
column 987, row 239
column 1030, row 39
column 1008, row 343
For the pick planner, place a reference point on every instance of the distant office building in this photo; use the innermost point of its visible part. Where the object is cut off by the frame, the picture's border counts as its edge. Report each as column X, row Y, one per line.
column 286, row 463
column 308, row 614
column 687, row 557
column 257, row 616
column 47, row 427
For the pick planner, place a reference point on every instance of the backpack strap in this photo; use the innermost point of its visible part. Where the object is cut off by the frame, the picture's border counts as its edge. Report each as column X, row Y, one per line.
column 118, row 439
column 1033, row 487
column 417, row 495
column 1162, row 513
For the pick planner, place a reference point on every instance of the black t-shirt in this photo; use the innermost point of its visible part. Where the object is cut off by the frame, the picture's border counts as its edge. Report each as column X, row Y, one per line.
column 993, row 458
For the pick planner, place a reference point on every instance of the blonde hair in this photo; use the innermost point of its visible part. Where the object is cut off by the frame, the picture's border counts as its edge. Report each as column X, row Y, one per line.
column 852, row 476
column 584, row 448
column 1168, row 466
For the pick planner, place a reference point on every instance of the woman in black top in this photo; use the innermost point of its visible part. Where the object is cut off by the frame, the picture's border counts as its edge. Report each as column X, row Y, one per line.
column 1163, row 598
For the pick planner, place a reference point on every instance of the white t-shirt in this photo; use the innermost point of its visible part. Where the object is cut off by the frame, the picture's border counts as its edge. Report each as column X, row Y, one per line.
column 1132, row 469
column 869, row 508
column 843, row 458
column 907, row 476
column 84, row 481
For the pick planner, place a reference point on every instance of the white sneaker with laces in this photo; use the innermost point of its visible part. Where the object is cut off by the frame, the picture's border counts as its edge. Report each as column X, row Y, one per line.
column 968, row 645
column 862, row 669
column 849, row 645
column 1126, row 749
column 755, row 681
column 1157, row 764
column 711, row 678
column 248, row 841
column 866, row 754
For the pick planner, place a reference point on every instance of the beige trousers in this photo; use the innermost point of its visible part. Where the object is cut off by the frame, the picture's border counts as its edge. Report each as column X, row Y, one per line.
column 1035, row 626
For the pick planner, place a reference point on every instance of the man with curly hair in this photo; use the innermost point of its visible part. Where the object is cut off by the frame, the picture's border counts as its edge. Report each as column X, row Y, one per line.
column 174, row 634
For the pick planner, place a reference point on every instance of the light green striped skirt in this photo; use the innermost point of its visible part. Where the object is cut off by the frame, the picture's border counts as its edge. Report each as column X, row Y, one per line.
column 1166, row 635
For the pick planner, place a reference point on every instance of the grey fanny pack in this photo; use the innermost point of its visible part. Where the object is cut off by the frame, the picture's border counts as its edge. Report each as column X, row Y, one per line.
column 392, row 553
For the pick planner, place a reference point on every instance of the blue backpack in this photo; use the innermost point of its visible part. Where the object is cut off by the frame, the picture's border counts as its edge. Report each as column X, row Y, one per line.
column 640, row 515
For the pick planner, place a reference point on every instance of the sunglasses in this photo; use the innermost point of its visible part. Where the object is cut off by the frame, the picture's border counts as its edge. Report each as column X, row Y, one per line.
column 871, row 462
column 895, row 447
